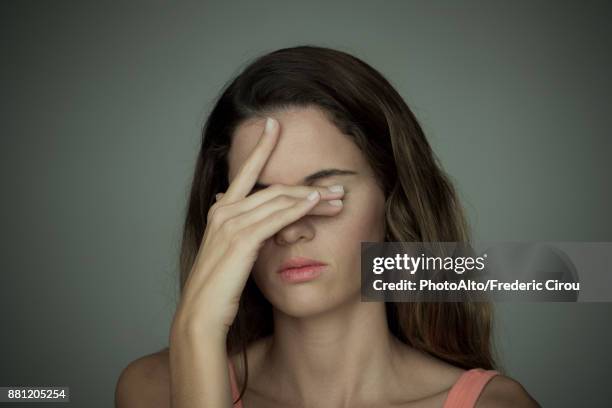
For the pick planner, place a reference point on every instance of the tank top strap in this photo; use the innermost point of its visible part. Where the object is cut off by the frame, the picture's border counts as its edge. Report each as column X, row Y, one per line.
column 234, row 384
column 467, row 389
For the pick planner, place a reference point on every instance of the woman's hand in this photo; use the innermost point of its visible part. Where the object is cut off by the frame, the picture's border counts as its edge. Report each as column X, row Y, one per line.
column 237, row 226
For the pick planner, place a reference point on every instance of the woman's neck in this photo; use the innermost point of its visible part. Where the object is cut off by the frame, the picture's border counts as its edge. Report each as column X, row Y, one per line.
column 335, row 357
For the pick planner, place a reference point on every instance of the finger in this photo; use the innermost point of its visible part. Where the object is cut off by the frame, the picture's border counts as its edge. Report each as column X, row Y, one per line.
column 327, row 207
column 270, row 225
column 249, row 171
column 218, row 196
column 299, row 192
column 274, row 206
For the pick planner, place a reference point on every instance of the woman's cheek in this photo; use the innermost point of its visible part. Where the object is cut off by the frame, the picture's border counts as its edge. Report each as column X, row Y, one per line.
column 362, row 218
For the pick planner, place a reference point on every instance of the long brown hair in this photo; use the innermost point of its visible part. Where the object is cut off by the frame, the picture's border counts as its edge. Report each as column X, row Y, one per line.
column 421, row 203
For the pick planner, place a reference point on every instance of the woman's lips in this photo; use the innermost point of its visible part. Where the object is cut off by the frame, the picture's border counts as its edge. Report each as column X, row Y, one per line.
column 300, row 269
column 301, row 274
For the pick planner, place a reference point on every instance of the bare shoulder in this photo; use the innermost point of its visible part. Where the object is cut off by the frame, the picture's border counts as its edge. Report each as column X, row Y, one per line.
column 503, row 391
column 145, row 382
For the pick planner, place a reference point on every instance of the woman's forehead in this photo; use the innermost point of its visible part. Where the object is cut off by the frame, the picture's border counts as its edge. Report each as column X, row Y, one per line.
column 307, row 143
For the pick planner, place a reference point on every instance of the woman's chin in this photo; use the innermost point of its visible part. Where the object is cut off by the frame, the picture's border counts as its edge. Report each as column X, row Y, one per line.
column 302, row 303
column 310, row 304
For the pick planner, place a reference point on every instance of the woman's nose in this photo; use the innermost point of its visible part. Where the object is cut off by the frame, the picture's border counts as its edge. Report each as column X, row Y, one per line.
column 298, row 231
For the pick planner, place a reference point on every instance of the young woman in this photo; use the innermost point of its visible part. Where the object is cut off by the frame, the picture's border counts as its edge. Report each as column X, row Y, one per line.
column 307, row 153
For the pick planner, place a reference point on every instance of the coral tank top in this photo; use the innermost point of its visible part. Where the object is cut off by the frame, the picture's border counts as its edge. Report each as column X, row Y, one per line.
column 463, row 394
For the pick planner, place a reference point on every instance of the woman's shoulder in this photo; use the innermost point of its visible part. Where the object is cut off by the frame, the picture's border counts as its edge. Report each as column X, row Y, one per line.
column 503, row 391
column 488, row 388
column 446, row 381
column 145, row 382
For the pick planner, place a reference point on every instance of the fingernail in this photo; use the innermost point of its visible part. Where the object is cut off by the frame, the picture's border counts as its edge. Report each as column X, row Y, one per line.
column 336, row 203
column 269, row 124
column 336, row 189
column 313, row 196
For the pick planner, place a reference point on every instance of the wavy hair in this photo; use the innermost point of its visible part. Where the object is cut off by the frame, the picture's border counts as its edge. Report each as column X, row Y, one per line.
column 421, row 203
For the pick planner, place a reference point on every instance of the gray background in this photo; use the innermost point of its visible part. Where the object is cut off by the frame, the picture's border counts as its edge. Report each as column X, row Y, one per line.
column 102, row 105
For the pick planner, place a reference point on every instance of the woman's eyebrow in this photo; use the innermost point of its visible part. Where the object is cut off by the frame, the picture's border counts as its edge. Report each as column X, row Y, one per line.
column 315, row 176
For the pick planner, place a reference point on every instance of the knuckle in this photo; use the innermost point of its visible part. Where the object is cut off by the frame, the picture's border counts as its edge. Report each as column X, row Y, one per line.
column 214, row 223
column 218, row 213
column 212, row 210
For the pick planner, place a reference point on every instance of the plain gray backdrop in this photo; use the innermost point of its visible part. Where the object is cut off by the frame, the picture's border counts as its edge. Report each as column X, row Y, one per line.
column 102, row 107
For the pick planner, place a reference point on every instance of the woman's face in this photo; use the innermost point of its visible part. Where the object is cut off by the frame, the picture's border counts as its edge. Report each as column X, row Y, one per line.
column 308, row 143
